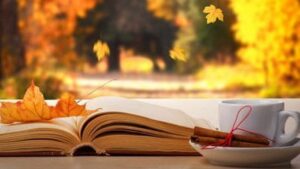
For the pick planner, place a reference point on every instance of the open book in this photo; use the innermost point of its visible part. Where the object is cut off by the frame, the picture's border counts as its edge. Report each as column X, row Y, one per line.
column 121, row 127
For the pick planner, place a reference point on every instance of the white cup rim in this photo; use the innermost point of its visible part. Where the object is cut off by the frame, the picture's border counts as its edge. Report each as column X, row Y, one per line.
column 252, row 102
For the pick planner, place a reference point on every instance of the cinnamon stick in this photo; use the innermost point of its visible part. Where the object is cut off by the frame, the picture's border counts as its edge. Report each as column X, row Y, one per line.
column 203, row 132
column 211, row 140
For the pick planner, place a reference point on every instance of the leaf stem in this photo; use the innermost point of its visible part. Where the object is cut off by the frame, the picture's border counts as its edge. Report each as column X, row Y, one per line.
column 94, row 90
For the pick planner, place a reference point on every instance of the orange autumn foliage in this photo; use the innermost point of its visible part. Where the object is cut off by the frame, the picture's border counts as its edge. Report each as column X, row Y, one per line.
column 47, row 28
column 33, row 108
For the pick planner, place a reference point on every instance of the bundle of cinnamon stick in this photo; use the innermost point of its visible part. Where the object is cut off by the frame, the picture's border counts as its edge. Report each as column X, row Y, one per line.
column 206, row 136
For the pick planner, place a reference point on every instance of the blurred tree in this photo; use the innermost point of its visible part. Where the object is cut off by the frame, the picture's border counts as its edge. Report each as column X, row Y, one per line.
column 188, row 14
column 216, row 41
column 270, row 34
column 48, row 26
column 125, row 23
column 201, row 41
column 11, row 46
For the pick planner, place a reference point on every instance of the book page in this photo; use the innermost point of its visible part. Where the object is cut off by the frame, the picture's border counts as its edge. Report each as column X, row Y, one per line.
column 151, row 111
column 63, row 124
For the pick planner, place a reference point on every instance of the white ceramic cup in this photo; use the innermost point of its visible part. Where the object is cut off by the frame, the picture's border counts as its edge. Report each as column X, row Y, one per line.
column 267, row 118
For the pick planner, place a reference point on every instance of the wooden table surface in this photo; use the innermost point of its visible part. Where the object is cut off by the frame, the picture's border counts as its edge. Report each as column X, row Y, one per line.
column 138, row 162
column 198, row 108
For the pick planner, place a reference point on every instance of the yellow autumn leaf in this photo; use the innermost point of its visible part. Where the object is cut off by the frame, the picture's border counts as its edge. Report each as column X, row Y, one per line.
column 34, row 104
column 33, row 108
column 101, row 49
column 178, row 54
column 9, row 113
column 213, row 14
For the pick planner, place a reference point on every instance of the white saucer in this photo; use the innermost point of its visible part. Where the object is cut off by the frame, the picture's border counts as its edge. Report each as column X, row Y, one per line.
column 249, row 157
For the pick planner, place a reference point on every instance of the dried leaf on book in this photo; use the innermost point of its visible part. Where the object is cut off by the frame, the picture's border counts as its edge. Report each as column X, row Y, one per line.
column 33, row 107
column 67, row 106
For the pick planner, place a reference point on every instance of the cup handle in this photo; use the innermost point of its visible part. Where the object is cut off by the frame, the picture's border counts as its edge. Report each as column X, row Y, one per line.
column 283, row 138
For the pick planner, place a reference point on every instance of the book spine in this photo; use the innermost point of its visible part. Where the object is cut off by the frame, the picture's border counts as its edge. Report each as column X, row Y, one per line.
column 86, row 148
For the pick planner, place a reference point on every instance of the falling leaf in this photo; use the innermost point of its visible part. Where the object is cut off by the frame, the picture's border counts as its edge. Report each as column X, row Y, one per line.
column 213, row 14
column 33, row 108
column 101, row 49
column 178, row 54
